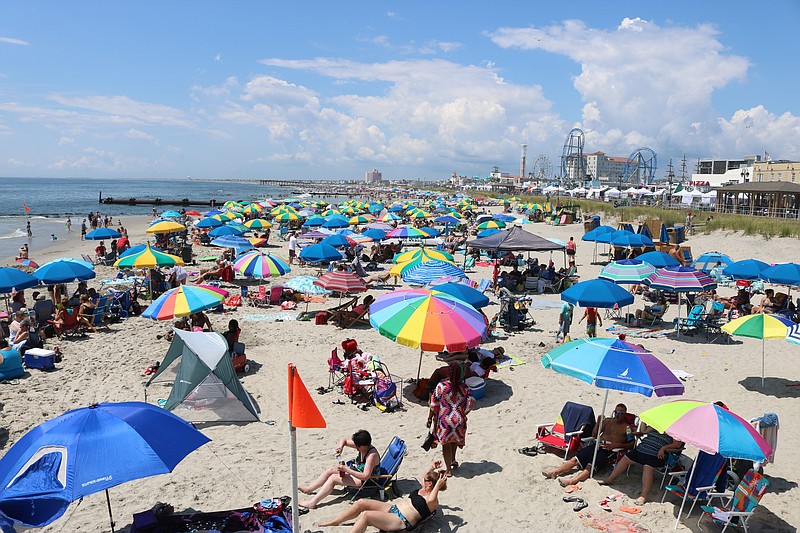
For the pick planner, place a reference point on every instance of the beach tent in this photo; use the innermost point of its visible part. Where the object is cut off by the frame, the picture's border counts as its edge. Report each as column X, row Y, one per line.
column 516, row 239
column 204, row 384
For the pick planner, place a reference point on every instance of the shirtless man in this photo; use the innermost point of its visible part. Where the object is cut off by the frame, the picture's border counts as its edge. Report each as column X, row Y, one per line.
column 676, row 254
column 614, row 437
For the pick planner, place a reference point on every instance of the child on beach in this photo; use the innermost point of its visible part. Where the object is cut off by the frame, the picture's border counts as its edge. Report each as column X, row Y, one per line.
column 592, row 319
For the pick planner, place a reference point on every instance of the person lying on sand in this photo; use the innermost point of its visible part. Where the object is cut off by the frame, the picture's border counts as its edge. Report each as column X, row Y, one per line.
column 613, row 437
column 400, row 516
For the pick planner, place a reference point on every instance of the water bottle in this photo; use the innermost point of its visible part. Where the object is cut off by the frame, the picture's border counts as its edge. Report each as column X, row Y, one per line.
column 339, row 460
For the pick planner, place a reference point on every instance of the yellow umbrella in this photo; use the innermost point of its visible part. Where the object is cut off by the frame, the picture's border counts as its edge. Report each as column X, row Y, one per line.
column 165, row 226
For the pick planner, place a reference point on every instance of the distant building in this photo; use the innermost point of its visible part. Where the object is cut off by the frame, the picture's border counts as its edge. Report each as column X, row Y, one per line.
column 765, row 171
column 605, row 168
column 717, row 172
column 373, row 177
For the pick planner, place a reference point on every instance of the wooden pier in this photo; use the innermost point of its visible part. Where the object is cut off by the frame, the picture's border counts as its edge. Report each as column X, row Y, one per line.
column 157, row 201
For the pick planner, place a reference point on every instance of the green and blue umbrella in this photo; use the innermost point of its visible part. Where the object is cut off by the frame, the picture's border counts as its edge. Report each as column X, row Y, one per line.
column 627, row 271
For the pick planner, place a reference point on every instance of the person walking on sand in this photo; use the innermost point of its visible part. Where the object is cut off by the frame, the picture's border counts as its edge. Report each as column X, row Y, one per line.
column 564, row 321
column 449, row 405
column 292, row 247
column 592, row 321
column 571, row 249
column 83, row 230
column 69, row 224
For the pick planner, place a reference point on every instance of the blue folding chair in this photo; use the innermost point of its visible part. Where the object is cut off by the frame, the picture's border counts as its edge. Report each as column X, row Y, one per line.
column 391, row 460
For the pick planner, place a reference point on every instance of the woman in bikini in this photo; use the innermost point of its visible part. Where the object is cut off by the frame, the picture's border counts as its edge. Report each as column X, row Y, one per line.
column 351, row 474
column 405, row 514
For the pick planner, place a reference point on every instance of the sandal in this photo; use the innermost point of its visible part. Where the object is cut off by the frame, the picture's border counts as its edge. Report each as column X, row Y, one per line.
column 570, row 499
column 604, row 505
column 530, row 452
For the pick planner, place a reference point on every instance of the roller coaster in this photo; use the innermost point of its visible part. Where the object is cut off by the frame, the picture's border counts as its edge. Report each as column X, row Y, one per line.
column 640, row 167
column 573, row 163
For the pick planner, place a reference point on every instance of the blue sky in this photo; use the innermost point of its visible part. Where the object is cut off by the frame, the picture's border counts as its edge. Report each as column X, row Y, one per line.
column 416, row 89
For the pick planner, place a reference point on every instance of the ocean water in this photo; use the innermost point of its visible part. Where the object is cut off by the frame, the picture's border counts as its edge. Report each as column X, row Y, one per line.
column 51, row 200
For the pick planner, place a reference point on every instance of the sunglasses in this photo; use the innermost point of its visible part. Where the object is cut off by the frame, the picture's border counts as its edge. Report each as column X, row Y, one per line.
column 615, row 413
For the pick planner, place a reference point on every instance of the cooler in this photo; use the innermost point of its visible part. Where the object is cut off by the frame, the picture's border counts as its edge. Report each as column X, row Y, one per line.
column 477, row 387
column 40, row 358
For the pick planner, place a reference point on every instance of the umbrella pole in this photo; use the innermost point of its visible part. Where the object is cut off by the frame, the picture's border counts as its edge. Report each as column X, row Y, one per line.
column 293, row 460
column 110, row 518
column 597, row 440
column 686, row 490
column 419, row 368
column 763, row 364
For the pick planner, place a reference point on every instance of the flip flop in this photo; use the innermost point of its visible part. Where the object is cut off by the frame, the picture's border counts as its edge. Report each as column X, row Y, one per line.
column 571, row 499
column 530, row 452
column 604, row 505
column 613, row 497
column 572, row 488
column 580, row 506
column 631, row 510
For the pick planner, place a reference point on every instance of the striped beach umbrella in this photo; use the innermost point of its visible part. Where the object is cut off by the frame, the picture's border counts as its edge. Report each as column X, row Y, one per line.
column 390, row 217
column 680, row 279
column 28, row 263
column 360, row 219
column 258, row 264
column 406, row 232
column 182, row 301
column 227, row 216
column 428, row 271
column 429, row 320
column 492, row 224
column 341, row 281
column 148, row 258
column 760, row 326
column 258, row 223
column 793, row 335
column 627, row 271
column 165, row 226
column 287, row 216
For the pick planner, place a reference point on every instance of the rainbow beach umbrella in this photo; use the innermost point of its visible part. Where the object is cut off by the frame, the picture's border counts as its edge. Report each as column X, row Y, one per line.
column 710, row 428
column 182, row 301
column 165, row 226
column 406, row 232
column 429, row 320
column 148, row 257
column 759, row 326
column 258, row 264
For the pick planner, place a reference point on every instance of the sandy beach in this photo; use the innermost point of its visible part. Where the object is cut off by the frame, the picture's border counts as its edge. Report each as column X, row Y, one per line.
column 495, row 487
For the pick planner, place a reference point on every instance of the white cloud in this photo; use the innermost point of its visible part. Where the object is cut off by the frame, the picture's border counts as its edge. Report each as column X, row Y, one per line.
column 12, row 40
column 65, row 140
column 654, row 83
column 122, row 109
column 140, row 135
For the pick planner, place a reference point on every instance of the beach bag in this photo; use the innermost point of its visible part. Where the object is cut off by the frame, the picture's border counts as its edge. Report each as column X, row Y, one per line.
column 321, row 318
column 429, row 442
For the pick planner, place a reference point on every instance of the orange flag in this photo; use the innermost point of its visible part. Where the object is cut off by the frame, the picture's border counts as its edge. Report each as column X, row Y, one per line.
column 303, row 412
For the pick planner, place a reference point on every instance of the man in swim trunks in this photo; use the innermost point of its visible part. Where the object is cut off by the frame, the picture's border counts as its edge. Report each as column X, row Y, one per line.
column 614, row 436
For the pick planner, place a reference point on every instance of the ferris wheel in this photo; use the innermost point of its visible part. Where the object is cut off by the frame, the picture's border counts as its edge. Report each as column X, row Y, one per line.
column 542, row 168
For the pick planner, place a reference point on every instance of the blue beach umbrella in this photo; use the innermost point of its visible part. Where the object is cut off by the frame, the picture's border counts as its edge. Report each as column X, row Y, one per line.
column 314, row 221
column 597, row 293
column 745, row 269
column 664, row 236
column 64, row 271
column 447, row 220
column 337, row 241
column 618, row 234
column 101, row 234
column 137, row 249
column 88, row 450
column 226, row 230
column 336, row 221
column 504, row 217
column 488, row 232
column 658, row 259
column 431, row 232
column 320, row 253
column 592, row 235
column 12, row 279
column 431, row 270
column 631, row 240
column 240, row 244
column 214, row 212
column 473, row 297
column 209, row 222
column 709, row 260
column 780, row 274
column 171, row 213
column 375, row 234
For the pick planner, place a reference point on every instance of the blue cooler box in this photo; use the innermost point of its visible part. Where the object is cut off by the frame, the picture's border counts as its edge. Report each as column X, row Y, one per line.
column 41, row 359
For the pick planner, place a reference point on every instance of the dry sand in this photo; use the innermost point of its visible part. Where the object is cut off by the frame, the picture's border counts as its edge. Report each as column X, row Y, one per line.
column 495, row 487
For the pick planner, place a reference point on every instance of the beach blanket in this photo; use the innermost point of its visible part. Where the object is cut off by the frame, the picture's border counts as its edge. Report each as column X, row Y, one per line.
column 506, row 361
column 280, row 316
column 545, row 303
column 483, row 263
column 639, row 333
column 122, row 281
column 612, row 522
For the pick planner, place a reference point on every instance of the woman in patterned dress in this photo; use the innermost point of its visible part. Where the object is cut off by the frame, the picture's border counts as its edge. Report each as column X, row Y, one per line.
column 449, row 405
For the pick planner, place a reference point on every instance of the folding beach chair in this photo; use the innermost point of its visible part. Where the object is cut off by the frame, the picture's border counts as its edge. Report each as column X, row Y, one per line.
column 709, row 475
column 575, row 422
column 738, row 506
column 391, row 460
column 336, row 372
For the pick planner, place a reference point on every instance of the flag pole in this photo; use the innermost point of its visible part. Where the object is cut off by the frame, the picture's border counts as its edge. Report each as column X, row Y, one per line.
column 293, row 453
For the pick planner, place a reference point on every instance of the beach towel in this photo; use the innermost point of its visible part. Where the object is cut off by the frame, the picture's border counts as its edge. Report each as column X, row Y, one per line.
column 612, row 522
column 271, row 317
column 768, row 426
column 639, row 333
column 506, row 361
